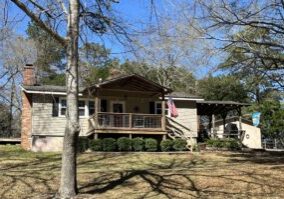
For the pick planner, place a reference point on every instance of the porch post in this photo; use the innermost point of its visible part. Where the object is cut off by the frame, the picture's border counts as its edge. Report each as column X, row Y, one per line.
column 164, row 137
column 213, row 125
column 240, row 121
column 96, row 111
column 163, row 114
column 224, row 115
column 209, row 128
column 130, row 120
column 96, row 136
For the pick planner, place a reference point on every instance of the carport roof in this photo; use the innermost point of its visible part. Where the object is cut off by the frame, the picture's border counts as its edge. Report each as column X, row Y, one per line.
column 217, row 107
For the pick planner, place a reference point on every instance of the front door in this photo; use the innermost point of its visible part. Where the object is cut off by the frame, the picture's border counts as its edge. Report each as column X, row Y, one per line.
column 118, row 119
column 117, row 108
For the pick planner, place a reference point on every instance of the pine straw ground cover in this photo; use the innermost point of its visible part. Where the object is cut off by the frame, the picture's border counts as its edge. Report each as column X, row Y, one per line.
column 140, row 175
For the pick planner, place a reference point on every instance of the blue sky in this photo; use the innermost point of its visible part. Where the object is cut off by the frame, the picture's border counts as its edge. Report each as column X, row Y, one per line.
column 132, row 11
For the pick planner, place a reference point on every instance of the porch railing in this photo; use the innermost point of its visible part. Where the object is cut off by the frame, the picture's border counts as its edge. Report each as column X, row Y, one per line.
column 106, row 120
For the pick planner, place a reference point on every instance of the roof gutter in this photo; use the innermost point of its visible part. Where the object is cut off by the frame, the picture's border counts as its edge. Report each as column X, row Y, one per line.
column 184, row 98
column 46, row 92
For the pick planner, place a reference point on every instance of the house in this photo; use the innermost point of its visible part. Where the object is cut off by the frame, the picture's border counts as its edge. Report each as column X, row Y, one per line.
column 128, row 105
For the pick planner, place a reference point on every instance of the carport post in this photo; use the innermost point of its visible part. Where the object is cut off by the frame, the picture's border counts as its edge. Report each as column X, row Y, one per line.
column 213, row 125
column 224, row 115
column 240, row 121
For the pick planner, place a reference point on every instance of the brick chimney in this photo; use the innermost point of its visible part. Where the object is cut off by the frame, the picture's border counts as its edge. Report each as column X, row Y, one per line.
column 29, row 75
column 26, row 125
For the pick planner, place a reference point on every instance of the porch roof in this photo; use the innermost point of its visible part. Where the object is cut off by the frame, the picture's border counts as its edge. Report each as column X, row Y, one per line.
column 217, row 107
column 132, row 82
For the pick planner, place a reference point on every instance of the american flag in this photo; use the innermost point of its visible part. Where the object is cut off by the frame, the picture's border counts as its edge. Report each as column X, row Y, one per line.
column 172, row 107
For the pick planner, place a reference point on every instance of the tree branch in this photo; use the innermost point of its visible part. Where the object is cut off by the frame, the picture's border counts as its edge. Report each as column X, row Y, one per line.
column 40, row 23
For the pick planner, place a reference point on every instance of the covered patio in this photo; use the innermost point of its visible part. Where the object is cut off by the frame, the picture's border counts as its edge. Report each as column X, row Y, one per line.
column 213, row 109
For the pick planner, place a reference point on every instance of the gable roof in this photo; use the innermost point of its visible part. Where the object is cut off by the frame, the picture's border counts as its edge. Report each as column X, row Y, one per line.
column 128, row 82
column 133, row 82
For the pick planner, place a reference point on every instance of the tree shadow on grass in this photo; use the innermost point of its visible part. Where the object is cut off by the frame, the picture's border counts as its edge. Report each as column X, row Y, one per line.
column 178, row 178
column 114, row 176
column 31, row 174
column 257, row 157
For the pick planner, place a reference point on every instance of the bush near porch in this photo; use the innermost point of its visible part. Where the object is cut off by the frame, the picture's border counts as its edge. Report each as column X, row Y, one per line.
column 135, row 144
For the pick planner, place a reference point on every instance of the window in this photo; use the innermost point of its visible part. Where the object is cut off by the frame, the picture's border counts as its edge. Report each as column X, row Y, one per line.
column 91, row 107
column 62, row 107
column 85, row 107
column 158, row 108
column 81, row 107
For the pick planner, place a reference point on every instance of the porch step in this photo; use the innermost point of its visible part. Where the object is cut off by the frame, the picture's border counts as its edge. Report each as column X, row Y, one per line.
column 176, row 130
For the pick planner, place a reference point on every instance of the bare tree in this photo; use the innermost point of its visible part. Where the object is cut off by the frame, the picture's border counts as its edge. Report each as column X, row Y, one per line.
column 254, row 29
column 15, row 53
column 66, row 21
column 68, row 186
column 170, row 41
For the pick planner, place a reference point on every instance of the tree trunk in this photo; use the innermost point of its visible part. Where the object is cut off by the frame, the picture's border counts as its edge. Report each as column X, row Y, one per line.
column 68, row 182
column 11, row 133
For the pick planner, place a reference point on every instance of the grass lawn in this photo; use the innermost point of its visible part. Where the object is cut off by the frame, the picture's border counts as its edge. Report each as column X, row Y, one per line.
column 139, row 175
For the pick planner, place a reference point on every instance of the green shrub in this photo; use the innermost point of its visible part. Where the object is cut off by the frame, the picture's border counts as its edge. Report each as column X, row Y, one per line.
column 151, row 144
column 218, row 143
column 179, row 144
column 223, row 143
column 232, row 144
column 83, row 144
column 96, row 145
column 166, row 145
column 124, row 144
column 196, row 148
column 138, row 144
column 109, row 144
column 210, row 142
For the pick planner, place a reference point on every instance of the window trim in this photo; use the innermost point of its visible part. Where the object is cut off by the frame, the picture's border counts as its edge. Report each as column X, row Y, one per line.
column 167, row 113
column 86, row 107
column 60, row 106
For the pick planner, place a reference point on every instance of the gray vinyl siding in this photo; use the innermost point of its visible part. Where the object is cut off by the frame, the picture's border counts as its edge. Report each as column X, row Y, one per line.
column 42, row 121
column 187, row 116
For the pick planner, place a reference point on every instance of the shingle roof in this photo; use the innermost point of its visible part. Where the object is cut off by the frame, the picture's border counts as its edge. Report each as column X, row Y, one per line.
column 132, row 82
column 49, row 88
column 222, row 102
column 141, row 83
column 183, row 95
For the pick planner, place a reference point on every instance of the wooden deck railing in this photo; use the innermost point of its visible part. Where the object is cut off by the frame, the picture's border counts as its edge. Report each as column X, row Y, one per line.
column 106, row 120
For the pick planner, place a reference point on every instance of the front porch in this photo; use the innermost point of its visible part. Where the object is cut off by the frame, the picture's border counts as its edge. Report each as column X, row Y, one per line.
column 128, row 105
column 129, row 123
